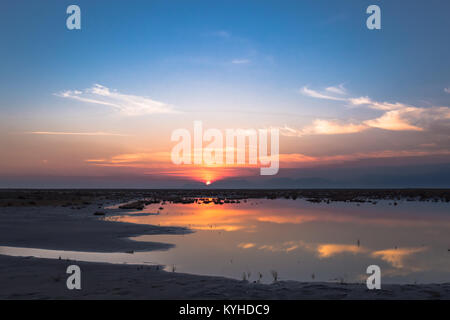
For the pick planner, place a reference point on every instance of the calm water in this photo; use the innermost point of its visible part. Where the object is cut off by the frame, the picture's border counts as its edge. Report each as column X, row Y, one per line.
column 302, row 240
column 297, row 239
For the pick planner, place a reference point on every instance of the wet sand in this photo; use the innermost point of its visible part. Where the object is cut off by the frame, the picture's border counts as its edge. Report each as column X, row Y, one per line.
column 32, row 278
column 78, row 229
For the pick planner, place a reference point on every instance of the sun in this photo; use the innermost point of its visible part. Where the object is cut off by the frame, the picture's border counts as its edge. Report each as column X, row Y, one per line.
column 208, row 183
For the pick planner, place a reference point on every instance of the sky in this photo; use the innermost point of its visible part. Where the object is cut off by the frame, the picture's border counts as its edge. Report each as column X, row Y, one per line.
column 96, row 107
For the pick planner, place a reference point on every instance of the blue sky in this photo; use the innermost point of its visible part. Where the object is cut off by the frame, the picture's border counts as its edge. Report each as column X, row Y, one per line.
column 179, row 45
column 231, row 62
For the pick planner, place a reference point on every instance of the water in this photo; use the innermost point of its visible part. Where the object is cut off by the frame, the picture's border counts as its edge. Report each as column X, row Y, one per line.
column 298, row 240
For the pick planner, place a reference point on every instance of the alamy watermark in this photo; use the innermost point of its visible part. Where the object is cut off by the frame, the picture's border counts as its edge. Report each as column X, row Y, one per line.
column 373, row 22
column 374, row 280
column 74, row 280
column 235, row 147
column 73, row 21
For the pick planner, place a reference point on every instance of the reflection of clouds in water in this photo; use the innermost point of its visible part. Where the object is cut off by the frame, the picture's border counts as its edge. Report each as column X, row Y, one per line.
column 287, row 246
column 284, row 232
column 360, row 217
column 286, row 219
column 329, row 250
column 248, row 216
column 397, row 257
column 217, row 227
column 246, row 245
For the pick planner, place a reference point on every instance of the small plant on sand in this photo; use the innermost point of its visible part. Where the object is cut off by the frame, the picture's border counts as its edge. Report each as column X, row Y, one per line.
column 274, row 274
column 259, row 277
column 246, row 276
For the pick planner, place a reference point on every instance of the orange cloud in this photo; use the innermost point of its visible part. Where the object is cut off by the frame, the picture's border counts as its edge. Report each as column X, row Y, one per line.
column 134, row 160
column 162, row 162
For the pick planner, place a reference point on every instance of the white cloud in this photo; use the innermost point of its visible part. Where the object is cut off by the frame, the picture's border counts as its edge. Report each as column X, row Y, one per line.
column 315, row 94
column 337, row 90
column 240, row 61
column 395, row 117
column 324, row 127
column 360, row 101
column 447, row 90
column 395, row 120
column 124, row 103
column 334, row 127
column 221, row 34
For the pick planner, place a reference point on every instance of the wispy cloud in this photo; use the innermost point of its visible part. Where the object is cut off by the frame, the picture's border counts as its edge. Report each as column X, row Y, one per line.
column 240, row 61
column 396, row 120
column 325, row 127
column 395, row 117
column 124, row 103
column 61, row 133
column 318, row 95
column 297, row 160
column 142, row 160
column 221, row 34
column 447, row 90
column 340, row 89
column 360, row 101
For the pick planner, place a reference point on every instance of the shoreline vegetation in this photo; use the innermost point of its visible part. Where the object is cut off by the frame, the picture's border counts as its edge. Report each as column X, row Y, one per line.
column 142, row 197
column 72, row 220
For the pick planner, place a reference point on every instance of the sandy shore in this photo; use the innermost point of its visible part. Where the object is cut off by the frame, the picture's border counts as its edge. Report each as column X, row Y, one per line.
column 31, row 278
column 63, row 228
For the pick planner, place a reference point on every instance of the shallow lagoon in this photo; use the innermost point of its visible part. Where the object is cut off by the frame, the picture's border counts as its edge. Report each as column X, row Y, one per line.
column 306, row 241
column 296, row 239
